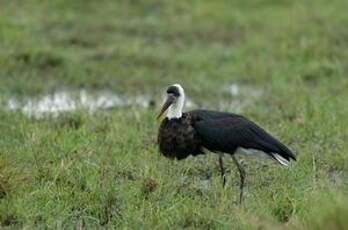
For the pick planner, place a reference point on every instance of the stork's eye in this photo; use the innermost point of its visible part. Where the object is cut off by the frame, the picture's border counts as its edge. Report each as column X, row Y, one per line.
column 173, row 90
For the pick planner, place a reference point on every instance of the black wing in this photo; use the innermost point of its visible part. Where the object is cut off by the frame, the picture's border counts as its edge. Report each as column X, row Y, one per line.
column 201, row 114
column 225, row 132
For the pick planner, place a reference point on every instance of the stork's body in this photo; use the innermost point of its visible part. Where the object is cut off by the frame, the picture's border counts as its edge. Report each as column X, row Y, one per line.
column 218, row 132
column 183, row 134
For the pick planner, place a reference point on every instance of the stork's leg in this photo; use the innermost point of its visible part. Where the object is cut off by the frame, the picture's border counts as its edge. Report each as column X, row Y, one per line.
column 222, row 170
column 242, row 177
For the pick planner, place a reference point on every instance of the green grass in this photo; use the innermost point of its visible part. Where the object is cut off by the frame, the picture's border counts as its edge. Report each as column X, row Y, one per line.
column 104, row 169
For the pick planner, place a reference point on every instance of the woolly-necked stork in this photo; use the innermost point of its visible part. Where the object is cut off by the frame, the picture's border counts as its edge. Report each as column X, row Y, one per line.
column 183, row 134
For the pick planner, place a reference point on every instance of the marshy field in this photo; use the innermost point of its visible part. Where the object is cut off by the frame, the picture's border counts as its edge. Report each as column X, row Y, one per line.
column 82, row 81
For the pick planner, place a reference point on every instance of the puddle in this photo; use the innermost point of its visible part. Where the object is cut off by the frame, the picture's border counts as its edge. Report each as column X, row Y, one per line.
column 189, row 104
column 64, row 101
column 246, row 91
column 241, row 96
column 234, row 89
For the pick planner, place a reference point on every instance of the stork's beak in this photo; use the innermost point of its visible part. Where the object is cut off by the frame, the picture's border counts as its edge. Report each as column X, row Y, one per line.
column 170, row 99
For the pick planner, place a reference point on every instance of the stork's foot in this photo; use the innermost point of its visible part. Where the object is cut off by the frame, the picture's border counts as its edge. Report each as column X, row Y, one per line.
column 242, row 175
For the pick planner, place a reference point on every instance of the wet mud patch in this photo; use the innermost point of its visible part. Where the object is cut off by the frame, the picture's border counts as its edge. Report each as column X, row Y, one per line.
column 65, row 101
column 239, row 96
column 235, row 97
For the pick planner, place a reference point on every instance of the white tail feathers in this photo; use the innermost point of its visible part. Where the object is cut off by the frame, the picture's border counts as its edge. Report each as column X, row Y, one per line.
column 281, row 159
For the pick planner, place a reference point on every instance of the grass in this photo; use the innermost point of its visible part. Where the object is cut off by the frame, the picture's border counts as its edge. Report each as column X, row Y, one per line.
column 104, row 170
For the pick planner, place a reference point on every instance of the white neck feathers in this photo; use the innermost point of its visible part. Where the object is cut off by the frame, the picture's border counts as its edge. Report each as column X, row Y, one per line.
column 175, row 110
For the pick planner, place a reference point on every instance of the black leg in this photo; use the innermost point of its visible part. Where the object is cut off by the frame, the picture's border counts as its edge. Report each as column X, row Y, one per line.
column 242, row 177
column 222, row 170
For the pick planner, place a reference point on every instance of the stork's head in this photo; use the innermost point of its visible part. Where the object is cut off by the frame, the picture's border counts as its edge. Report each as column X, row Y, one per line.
column 174, row 102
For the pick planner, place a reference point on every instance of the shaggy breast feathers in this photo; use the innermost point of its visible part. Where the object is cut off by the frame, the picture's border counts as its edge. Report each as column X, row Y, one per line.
column 178, row 139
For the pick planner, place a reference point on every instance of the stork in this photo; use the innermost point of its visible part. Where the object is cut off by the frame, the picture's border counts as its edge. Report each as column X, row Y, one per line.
column 189, row 133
